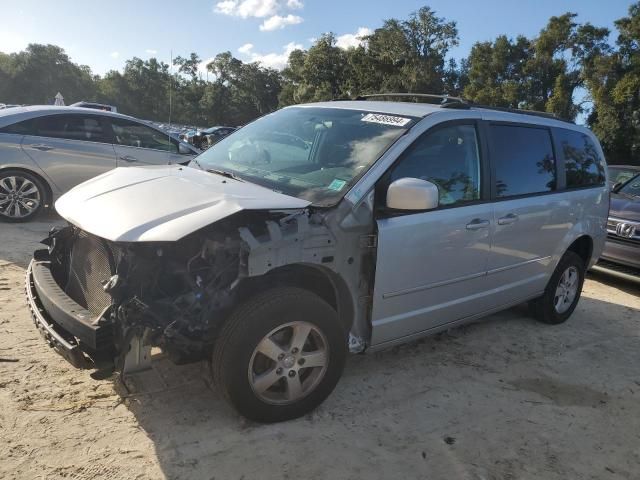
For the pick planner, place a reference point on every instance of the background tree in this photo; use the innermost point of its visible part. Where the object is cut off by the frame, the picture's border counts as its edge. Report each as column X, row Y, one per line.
column 613, row 80
column 568, row 69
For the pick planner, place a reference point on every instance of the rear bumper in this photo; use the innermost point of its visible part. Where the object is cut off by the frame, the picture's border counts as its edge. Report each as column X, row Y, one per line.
column 68, row 328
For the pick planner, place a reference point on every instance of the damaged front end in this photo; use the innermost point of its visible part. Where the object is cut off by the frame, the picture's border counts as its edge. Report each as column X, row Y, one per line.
column 102, row 304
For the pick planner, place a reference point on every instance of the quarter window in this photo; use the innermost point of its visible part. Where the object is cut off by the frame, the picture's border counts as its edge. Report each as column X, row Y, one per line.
column 523, row 160
column 134, row 134
column 72, row 127
column 20, row 128
column 583, row 165
column 447, row 157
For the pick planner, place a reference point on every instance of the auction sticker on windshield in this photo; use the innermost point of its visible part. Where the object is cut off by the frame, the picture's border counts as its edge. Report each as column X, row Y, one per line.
column 386, row 119
column 337, row 184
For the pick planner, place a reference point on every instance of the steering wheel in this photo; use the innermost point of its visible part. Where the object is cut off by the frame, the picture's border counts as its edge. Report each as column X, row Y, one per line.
column 250, row 153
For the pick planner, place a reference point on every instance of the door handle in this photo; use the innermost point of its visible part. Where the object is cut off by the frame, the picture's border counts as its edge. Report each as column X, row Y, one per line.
column 42, row 147
column 508, row 219
column 128, row 158
column 477, row 224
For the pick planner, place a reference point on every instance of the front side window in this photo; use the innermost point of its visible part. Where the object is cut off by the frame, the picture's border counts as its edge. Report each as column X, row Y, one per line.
column 72, row 127
column 583, row 164
column 312, row 153
column 133, row 134
column 523, row 160
column 447, row 157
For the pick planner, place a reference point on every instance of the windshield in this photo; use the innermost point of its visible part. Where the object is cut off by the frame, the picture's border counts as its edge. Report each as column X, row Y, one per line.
column 632, row 187
column 312, row 153
column 620, row 174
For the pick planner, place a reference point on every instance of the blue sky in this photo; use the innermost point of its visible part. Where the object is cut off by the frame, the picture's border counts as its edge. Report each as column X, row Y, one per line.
column 104, row 34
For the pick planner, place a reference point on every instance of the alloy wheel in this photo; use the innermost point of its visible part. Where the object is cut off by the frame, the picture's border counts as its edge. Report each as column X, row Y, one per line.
column 288, row 363
column 566, row 290
column 19, row 197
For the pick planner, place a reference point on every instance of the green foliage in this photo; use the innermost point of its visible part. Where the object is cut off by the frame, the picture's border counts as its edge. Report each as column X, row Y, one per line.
column 565, row 61
column 614, row 82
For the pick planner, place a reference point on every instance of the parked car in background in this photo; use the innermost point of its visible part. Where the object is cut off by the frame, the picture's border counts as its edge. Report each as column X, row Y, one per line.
column 621, row 255
column 96, row 106
column 205, row 138
column 45, row 151
column 318, row 229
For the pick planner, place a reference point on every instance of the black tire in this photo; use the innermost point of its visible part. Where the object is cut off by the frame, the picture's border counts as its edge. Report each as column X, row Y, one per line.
column 544, row 308
column 249, row 325
column 22, row 176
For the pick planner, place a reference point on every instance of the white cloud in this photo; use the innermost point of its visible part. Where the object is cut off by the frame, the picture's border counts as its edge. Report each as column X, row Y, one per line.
column 246, row 48
column 255, row 8
column 349, row 40
column 272, row 60
column 11, row 42
column 114, row 54
column 202, row 66
column 277, row 22
column 151, row 51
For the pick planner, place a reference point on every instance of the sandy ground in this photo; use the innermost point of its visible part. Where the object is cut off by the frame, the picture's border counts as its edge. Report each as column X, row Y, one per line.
column 507, row 398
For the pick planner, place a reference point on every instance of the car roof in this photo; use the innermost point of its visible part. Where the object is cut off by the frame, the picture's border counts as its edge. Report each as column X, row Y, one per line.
column 411, row 109
column 421, row 110
column 18, row 114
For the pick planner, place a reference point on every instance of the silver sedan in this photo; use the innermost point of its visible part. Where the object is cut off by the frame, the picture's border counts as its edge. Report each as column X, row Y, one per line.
column 45, row 151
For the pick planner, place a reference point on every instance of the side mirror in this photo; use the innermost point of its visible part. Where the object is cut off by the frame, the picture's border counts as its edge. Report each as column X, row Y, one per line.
column 184, row 150
column 412, row 194
column 616, row 186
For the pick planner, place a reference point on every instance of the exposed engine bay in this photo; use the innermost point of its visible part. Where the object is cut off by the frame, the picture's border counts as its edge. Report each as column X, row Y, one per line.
column 176, row 295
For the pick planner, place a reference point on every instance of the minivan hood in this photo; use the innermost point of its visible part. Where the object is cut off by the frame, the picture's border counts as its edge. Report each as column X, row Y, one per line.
column 163, row 203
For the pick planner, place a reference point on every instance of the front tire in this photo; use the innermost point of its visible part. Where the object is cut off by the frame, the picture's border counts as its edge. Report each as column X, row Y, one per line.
column 563, row 291
column 279, row 355
column 22, row 196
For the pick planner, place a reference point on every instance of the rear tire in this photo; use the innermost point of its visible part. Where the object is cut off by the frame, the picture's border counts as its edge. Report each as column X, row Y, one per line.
column 563, row 291
column 22, row 196
column 279, row 355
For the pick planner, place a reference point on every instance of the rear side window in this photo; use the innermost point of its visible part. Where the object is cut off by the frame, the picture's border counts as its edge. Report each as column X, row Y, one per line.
column 20, row 128
column 72, row 127
column 583, row 164
column 523, row 160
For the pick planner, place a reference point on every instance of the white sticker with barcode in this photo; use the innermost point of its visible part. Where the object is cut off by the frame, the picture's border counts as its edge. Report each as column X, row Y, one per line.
column 386, row 119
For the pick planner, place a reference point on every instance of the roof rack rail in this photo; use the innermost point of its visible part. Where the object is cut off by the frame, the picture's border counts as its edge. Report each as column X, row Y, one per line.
column 521, row 111
column 447, row 101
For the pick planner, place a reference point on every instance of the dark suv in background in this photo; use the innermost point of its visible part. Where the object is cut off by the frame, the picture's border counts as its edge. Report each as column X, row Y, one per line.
column 621, row 255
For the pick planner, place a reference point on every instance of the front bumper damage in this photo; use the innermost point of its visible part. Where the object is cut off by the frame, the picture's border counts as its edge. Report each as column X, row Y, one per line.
column 96, row 306
column 104, row 304
column 60, row 320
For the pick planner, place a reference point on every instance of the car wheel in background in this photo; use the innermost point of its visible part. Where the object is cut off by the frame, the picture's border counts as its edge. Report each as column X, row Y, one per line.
column 563, row 291
column 279, row 355
column 22, row 196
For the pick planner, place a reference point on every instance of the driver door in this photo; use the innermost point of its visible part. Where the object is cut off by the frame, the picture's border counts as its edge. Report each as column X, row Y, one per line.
column 431, row 265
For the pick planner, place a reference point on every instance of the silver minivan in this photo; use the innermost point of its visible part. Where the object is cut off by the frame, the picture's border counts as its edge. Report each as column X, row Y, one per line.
column 45, row 151
column 318, row 230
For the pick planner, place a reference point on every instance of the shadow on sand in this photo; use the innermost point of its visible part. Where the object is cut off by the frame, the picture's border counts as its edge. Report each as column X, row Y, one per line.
column 197, row 436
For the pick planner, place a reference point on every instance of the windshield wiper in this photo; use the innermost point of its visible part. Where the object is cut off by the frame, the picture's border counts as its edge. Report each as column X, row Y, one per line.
column 225, row 173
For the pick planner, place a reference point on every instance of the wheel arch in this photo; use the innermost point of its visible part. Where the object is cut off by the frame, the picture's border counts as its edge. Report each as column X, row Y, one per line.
column 314, row 278
column 583, row 247
column 39, row 176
